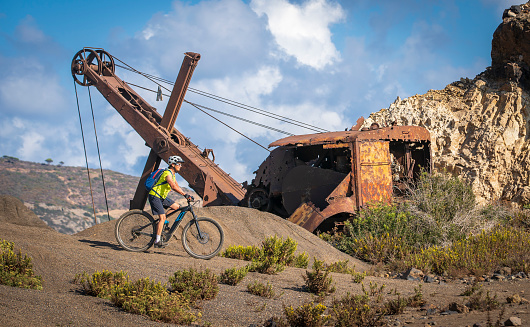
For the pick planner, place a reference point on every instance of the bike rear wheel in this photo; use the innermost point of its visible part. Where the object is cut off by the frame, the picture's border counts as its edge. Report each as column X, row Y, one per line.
column 135, row 230
column 202, row 238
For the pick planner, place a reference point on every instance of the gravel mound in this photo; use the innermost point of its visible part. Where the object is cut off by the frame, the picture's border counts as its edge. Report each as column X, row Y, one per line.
column 13, row 211
column 246, row 226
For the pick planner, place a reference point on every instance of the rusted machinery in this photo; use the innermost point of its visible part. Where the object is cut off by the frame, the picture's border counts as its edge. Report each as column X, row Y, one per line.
column 318, row 179
column 96, row 67
column 313, row 180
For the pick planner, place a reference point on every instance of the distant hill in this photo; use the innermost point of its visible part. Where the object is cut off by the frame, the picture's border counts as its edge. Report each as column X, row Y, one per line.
column 60, row 195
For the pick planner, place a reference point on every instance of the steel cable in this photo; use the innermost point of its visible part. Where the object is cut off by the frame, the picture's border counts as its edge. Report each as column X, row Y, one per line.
column 86, row 157
column 228, row 101
column 99, row 155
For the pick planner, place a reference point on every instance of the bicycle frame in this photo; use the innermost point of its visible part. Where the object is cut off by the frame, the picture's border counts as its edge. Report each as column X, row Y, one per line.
column 181, row 213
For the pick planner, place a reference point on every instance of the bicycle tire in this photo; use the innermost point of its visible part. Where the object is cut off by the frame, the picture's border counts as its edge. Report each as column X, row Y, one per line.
column 135, row 230
column 209, row 245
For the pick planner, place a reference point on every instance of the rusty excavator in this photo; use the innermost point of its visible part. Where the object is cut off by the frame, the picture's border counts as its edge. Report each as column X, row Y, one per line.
column 313, row 180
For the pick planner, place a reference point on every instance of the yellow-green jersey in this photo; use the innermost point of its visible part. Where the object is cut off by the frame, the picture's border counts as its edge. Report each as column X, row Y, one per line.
column 161, row 190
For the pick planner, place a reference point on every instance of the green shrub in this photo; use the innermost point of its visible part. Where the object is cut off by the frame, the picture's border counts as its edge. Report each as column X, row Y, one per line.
column 101, row 284
column 151, row 299
column 308, row 314
column 358, row 277
column 377, row 249
column 259, row 289
column 380, row 219
column 232, row 276
column 272, row 257
column 374, row 290
column 277, row 254
column 194, row 285
column 480, row 254
column 247, row 253
column 144, row 297
column 355, row 310
column 318, row 281
column 442, row 195
column 396, row 306
column 483, row 302
column 300, row 261
column 340, row 267
column 15, row 269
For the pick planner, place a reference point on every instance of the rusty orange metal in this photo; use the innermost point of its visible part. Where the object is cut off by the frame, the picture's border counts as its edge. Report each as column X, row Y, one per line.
column 214, row 185
column 315, row 180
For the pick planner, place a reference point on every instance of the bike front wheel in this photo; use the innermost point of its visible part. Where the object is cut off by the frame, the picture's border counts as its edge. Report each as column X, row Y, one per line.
column 135, row 230
column 202, row 238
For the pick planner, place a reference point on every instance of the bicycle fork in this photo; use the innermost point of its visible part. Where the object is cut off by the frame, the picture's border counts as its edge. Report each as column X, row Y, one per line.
column 196, row 221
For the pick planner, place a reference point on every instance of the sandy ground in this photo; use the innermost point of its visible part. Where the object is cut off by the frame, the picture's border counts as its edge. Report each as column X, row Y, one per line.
column 58, row 258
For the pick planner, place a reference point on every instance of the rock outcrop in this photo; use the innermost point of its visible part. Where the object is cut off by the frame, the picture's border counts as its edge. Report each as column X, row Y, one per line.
column 480, row 127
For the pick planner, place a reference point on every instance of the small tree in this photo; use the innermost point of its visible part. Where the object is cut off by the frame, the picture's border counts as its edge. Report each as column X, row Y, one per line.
column 49, row 161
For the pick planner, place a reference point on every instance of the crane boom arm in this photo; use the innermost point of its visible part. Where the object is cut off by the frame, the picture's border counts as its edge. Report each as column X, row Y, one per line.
column 206, row 178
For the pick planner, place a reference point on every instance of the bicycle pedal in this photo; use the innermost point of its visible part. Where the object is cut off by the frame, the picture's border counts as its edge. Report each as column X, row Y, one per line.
column 160, row 245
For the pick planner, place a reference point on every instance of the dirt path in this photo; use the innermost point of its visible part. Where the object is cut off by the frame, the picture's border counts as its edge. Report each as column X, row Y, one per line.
column 58, row 257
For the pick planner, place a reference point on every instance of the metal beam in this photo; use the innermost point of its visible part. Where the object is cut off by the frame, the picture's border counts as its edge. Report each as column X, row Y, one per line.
column 168, row 121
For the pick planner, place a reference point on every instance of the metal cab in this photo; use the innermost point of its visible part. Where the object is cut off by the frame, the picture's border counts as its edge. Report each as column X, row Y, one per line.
column 316, row 180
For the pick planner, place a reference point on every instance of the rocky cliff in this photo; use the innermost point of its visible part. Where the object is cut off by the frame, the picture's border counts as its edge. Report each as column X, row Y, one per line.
column 480, row 127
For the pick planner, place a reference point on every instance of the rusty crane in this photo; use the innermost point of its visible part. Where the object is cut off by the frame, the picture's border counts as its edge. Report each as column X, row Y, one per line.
column 313, row 180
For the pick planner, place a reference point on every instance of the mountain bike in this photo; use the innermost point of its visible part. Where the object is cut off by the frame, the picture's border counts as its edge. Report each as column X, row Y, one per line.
column 202, row 237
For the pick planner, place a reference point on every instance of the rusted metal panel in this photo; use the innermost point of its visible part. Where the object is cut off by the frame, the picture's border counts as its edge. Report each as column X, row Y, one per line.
column 375, row 173
column 308, row 184
column 308, row 216
column 408, row 133
column 344, row 189
column 311, row 217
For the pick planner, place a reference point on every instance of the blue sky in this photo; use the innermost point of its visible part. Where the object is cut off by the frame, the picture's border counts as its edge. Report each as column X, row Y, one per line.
column 322, row 62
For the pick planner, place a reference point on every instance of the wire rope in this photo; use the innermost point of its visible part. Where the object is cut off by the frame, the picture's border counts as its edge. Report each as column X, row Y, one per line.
column 222, row 113
column 99, row 155
column 228, row 101
column 238, row 132
column 86, row 157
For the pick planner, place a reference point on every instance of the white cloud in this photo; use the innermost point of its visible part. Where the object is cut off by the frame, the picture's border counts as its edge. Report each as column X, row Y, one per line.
column 28, row 32
column 30, row 86
column 32, row 93
column 249, row 88
column 302, row 31
column 32, row 142
column 128, row 146
column 226, row 33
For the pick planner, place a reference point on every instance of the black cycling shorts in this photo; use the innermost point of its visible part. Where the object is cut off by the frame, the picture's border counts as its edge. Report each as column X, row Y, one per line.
column 158, row 205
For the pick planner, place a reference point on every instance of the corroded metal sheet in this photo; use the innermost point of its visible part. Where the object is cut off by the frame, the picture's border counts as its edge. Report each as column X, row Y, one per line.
column 307, row 215
column 308, row 184
column 310, row 217
column 406, row 133
column 375, row 176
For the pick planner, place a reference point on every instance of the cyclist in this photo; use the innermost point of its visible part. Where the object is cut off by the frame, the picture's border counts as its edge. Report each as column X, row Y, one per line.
column 158, row 195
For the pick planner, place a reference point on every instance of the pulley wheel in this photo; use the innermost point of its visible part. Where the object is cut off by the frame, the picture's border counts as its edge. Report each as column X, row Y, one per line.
column 107, row 62
column 258, row 198
column 83, row 60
